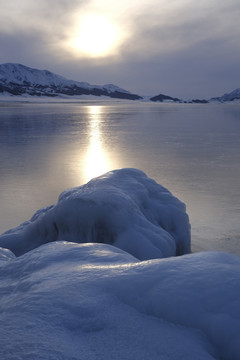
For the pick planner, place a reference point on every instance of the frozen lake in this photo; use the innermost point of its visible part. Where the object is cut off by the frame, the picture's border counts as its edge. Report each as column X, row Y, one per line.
column 193, row 150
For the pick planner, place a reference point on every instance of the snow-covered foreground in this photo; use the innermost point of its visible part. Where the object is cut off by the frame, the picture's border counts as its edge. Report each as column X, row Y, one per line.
column 69, row 301
column 93, row 301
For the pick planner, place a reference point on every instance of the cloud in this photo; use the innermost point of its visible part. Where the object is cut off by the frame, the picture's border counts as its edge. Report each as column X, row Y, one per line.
column 153, row 27
column 39, row 15
column 176, row 46
column 175, row 28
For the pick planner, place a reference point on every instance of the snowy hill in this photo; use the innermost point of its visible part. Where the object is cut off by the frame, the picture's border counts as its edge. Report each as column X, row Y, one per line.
column 17, row 79
column 232, row 96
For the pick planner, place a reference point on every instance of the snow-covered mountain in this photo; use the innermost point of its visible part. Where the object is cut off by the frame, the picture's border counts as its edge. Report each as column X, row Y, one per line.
column 17, row 79
column 232, row 96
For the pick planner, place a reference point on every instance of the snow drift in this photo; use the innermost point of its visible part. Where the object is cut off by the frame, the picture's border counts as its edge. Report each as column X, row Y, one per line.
column 93, row 301
column 123, row 208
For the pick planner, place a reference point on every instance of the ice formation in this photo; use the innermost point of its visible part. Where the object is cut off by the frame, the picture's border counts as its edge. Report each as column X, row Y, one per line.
column 85, row 299
column 124, row 208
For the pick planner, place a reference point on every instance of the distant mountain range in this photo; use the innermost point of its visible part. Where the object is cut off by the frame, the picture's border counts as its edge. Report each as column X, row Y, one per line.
column 20, row 80
column 17, row 79
column 166, row 98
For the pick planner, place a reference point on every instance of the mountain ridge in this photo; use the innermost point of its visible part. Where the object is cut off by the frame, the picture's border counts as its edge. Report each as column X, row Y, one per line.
column 20, row 80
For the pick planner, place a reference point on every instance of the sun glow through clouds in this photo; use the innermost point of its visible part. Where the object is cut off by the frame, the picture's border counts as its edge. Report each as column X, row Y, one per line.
column 95, row 36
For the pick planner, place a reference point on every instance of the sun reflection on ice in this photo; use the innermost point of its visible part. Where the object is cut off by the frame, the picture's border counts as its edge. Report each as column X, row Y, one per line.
column 97, row 161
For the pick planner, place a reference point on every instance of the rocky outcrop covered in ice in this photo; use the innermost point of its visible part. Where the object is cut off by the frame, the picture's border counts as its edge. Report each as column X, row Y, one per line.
column 124, row 208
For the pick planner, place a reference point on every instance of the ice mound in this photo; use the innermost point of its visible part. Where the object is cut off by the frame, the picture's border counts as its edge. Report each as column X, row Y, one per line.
column 123, row 208
column 94, row 301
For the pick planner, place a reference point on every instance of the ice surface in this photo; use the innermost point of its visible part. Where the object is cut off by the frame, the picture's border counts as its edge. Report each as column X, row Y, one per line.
column 124, row 208
column 93, row 301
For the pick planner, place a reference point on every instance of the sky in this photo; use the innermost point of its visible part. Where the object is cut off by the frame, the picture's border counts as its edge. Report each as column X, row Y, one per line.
column 181, row 48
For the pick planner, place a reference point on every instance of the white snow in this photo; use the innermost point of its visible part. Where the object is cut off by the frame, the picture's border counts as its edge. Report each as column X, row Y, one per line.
column 124, row 208
column 93, row 301
column 90, row 301
column 18, row 74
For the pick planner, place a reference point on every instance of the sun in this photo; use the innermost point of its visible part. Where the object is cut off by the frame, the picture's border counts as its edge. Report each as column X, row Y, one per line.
column 95, row 36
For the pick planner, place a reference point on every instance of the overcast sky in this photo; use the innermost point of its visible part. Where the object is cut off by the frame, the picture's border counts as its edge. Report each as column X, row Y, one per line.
column 181, row 48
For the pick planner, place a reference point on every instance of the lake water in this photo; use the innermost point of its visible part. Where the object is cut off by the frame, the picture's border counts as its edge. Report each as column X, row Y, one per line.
column 193, row 150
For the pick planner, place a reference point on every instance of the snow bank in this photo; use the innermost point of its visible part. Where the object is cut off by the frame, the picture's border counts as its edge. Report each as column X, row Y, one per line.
column 93, row 301
column 123, row 208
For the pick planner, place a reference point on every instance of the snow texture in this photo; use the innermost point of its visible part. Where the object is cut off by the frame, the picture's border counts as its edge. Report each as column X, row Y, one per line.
column 93, row 301
column 123, row 208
